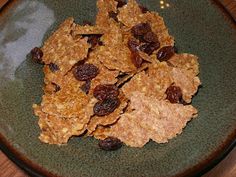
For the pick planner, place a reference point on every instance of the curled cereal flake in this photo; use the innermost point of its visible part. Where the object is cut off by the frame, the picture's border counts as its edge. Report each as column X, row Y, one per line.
column 187, row 81
column 186, row 61
column 68, row 102
column 151, row 119
column 129, row 131
column 113, row 36
column 104, row 7
column 57, row 130
column 116, row 57
column 100, row 132
column 87, row 29
column 108, row 119
column 130, row 14
column 154, row 83
column 62, row 50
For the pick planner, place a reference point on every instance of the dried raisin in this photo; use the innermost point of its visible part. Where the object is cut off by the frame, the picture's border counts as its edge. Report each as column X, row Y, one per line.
column 137, row 60
column 150, row 37
column 105, row 107
column 165, row 53
column 110, row 144
column 140, row 29
column 53, row 67
column 174, row 94
column 37, row 54
column 149, row 48
column 86, row 86
column 133, row 45
column 102, row 92
column 85, row 72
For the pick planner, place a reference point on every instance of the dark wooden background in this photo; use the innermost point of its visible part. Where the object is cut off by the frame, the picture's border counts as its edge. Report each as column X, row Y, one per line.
column 227, row 168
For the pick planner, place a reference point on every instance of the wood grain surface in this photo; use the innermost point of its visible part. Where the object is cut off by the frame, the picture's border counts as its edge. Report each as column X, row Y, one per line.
column 226, row 168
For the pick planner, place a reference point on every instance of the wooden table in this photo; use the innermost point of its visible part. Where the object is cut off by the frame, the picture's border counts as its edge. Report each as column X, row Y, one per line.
column 227, row 168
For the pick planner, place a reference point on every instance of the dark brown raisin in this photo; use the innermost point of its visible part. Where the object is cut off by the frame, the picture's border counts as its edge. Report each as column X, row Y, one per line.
column 174, row 94
column 137, row 60
column 110, row 144
column 53, row 67
column 140, row 29
column 93, row 39
column 105, row 107
column 149, row 48
column 133, row 45
column 57, row 87
column 37, row 54
column 113, row 15
column 86, row 86
column 121, row 3
column 165, row 53
column 102, row 92
column 85, row 72
column 150, row 37
column 143, row 9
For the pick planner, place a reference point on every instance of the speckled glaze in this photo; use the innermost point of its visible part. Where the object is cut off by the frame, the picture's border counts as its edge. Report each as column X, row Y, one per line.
column 199, row 27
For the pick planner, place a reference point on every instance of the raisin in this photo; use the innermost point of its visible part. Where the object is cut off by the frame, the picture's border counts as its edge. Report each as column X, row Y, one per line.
column 113, row 15
column 37, row 54
column 137, row 60
column 165, row 53
column 150, row 37
column 85, row 72
column 93, row 39
column 149, row 48
column 143, row 9
column 140, row 29
column 133, row 45
column 110, row 144
column 86, row 86
column 174, row 94
column 105, row 107
column 57, row 87
column 102, row 92
column 53, row 67
column 121, row 3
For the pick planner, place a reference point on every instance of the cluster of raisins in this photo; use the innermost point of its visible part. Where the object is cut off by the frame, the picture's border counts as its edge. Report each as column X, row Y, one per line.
column 148, row 43
column 108, row 99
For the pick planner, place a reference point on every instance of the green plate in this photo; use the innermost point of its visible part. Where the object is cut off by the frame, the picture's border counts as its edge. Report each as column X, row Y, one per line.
column 199, row 27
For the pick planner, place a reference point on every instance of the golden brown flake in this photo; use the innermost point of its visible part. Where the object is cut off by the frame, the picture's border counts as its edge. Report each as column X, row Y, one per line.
column 186, row 61
column 62, row 50
column 154, row 83
column 116, row 57
column 57, row 130
column 151, row 119
column 187, row 81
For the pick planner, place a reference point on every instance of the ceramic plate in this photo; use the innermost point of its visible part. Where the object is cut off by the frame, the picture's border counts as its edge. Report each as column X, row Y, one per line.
column 199, row 27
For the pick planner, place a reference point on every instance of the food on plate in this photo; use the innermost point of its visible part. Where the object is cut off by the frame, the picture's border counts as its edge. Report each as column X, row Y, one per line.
column 120, row 80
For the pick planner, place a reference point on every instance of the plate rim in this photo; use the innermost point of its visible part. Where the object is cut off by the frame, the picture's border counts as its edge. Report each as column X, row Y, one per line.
column 201, row 168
